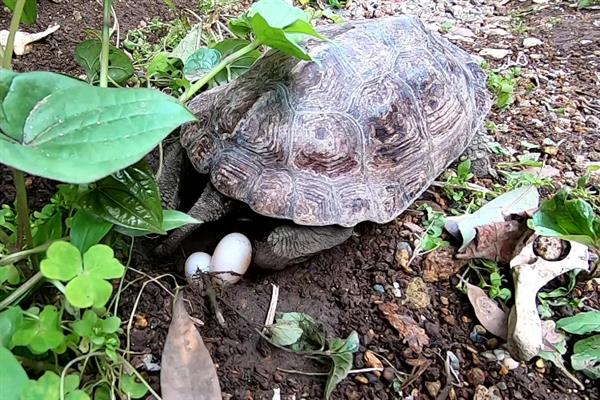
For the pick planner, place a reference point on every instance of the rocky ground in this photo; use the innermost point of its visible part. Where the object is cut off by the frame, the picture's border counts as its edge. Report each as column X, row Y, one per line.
column 555, row 115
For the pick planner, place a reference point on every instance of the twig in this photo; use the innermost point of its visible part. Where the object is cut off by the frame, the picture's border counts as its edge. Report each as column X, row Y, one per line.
column 272, row 307
column 21, row 290
column 212, row 298
column 354, row 371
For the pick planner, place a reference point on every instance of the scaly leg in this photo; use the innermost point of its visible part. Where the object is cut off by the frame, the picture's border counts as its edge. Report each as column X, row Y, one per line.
column 291, row 244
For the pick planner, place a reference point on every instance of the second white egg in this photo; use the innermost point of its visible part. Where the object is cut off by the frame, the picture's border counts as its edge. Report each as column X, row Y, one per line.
column 233, row 253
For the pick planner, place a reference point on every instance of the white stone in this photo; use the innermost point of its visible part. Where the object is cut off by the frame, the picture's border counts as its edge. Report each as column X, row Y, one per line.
column 531, row 42
column 497, row 54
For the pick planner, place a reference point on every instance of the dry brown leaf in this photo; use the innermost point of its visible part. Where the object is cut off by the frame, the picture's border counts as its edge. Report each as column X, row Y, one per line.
column 490, row 316
column 498, row 241
column 441, row 265
column 187, row 372
column 23, row 40
column 409, row 331
column 372, row 361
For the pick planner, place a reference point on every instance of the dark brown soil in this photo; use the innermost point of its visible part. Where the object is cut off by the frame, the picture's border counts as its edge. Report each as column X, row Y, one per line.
column 338, row 286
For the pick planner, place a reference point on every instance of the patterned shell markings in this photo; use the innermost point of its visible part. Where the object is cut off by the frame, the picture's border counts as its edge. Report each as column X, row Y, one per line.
column 357, row 135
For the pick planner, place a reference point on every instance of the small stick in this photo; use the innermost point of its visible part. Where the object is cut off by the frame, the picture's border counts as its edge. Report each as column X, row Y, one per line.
column 212, row 298
column 354, row 371
column 272, row 307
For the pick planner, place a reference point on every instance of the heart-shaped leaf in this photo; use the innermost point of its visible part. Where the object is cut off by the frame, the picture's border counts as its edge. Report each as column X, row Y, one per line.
column 42, row 334
column 87, row 54
column 129, row 198
column 62, row 262
column 48, row 387
column 90, row 288
column 200, row 63
column 64, row 129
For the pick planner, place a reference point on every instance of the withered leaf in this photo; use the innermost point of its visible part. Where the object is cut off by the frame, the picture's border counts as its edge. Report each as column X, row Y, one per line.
column 187, row 372
column 491, row 317
column 498, row 241
column 409, row 331
column 440, row 265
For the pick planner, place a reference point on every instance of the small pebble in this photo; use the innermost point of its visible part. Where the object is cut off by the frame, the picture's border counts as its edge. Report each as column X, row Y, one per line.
column 444, row 300
column 140, row 322
column 540, row 366
column 389, row 374
column 475, row 376
column 379, row 288
column 501, row 386
column 361, row 379
column 531, row 42
column 492, row 343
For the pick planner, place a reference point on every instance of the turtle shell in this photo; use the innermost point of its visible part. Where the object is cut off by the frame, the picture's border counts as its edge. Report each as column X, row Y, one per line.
column 358, row 134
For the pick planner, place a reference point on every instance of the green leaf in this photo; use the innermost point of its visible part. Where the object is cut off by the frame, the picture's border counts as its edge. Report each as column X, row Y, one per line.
column 10, row 320
column 586, row 356
column 341, row 357
column 200, row 63
column 50, row 229
column 279, row 25
column 130, row 386
column 40, row 335
column 13, row 378
column 572, row 219
column 64, row 129
column 110, row 324
column 85, row 326
column 313, row 334
column 62, row 262
column 29, row 15
column 189, row 44
column 173, row 219
column 163, row 64
column 285, row 333
column 90, row 288
column 239, row 66
column 129, row 198
column 581, row 324
column 9, row 273
column 47, row 387
column 87, row 230
column 240, row 26
column 87, row 54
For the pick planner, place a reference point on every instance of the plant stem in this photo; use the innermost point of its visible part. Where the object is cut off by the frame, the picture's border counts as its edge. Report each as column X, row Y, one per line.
column 14, row 26
column 23, row 227
column 140, row 377
column 13, row 258
column 21, row 290
column 218, row 68
column 105, row 44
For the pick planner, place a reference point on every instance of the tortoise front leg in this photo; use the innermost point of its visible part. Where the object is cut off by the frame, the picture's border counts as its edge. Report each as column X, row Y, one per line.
column 211, row 206
column 291, row 244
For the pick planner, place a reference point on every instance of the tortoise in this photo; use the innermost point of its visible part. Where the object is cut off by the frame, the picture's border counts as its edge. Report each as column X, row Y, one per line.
column 355, row 135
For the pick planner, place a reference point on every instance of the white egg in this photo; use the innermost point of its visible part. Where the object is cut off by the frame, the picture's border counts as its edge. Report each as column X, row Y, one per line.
column 233, row 253
column 196, row 264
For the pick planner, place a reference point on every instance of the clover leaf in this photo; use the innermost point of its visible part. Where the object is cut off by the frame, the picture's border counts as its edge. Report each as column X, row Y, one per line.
column 134, row 389
column 47, row 387
column 41, row 334
column 87, row 281
column 97, row 330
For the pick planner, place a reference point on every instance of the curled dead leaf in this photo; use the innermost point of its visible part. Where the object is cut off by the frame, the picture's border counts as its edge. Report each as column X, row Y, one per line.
column 187, row 372
column 490, row 316
column 498, row 241
column 23, row 40
column 441, row 264
column 372, row 361
column 409, row 331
